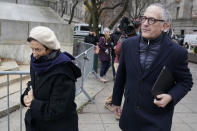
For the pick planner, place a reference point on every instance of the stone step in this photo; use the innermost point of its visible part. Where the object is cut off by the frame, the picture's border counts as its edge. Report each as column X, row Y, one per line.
column 14, row 88
column 8, row 65
column 14, row 78
column 14, row 81
column 14, row 97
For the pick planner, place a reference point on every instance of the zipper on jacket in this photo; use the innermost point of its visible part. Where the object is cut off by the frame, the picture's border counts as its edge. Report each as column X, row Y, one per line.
column 148, row 42
column 147, row 51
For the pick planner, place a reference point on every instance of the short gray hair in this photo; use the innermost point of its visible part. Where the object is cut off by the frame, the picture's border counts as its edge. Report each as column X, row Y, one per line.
column 106, row 30
column 165, row 14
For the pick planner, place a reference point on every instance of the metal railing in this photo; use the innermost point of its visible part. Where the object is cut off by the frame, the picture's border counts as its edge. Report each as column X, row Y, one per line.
column 84, row 61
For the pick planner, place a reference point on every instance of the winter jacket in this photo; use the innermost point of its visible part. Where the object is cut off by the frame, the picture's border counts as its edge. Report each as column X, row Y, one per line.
column 53, row 107
column 149, row 49
column 104, row 52
column 91, row 39
column 139, row 111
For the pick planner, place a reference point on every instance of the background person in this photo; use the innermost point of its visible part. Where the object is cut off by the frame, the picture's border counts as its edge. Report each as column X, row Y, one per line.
column 114, row 39
column 93, row 39
column 51, row 92
column 104, row 54
column 130, row 32
column 142, row 59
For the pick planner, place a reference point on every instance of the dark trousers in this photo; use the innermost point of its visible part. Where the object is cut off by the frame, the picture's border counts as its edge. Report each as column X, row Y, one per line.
column 104, row 67
column 113, row 69
column 95, row 65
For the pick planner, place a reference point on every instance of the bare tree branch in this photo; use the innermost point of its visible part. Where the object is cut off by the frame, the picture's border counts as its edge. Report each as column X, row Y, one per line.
column 120, row 14
column 110, row 8
column 73, row 11
column 87, row 5
column 96, row 8
column 64, row 8
column 99, row 2
column 138, row 8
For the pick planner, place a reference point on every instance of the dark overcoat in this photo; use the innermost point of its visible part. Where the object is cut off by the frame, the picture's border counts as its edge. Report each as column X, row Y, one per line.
column 53, row 107
column 139, row 112
column 104, row 45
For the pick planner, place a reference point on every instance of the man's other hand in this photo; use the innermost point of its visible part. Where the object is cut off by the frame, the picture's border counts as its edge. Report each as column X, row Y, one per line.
column 162, row 100
column 117, row 110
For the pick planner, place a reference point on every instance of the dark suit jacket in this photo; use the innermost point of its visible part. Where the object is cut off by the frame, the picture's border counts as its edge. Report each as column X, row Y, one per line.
column 139, row 112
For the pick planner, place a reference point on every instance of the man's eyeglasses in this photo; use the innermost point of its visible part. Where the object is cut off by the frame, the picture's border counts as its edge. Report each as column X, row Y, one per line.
column 150, row 20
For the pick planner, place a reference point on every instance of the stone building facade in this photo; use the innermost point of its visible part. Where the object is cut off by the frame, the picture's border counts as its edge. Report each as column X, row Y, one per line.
column 184, row 16
column 57, row 6
column 18, row 17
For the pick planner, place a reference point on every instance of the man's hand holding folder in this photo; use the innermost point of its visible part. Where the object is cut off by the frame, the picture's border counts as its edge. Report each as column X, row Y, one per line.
column 163, row 84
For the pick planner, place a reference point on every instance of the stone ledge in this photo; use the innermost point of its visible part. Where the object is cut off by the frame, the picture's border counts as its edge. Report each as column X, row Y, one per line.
column 8, row 65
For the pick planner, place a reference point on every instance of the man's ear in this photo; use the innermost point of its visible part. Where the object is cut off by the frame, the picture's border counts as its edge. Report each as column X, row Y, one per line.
column 166, row 26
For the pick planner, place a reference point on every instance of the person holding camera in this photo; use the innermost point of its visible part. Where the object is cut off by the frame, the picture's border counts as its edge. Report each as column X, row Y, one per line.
column 114, row 39
column 128, row 32
column 93, row 39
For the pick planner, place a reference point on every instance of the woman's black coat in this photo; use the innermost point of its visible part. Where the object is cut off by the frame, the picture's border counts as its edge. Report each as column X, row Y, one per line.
column 53, row 107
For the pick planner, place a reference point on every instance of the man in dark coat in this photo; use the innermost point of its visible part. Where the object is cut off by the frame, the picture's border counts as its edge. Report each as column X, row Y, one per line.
column 142, row 59
column 51, row 92
column 114, row 39
column 93, row 39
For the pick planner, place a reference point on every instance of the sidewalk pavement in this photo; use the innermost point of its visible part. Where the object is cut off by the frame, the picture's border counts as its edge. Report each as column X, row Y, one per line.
column 94, row 116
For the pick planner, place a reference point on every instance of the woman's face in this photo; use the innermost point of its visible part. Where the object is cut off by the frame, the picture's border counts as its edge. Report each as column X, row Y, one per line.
column 107, row 34
column 38, row 49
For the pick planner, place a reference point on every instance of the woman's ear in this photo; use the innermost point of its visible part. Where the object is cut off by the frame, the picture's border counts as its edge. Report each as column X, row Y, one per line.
column 48, row 51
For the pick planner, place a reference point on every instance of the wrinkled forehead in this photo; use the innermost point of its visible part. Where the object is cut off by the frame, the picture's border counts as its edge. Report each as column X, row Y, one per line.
column 153, row 11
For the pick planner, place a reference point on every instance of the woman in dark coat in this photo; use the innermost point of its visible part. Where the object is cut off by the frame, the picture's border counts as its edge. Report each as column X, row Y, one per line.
column 104, row 54
column 51, row 92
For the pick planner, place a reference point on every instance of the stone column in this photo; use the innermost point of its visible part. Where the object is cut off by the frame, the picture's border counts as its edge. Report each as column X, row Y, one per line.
column 194, row 9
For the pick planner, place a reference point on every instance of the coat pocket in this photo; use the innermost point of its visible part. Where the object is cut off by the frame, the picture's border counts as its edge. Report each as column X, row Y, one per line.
column 28, row 118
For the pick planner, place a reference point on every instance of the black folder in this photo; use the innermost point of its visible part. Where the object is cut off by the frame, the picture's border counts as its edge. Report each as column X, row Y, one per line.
column 164, row 82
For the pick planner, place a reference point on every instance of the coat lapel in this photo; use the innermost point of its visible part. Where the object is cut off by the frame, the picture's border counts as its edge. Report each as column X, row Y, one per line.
column 164, row 51
column 135, row 55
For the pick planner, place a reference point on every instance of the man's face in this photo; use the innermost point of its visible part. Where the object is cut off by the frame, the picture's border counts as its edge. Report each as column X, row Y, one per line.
column 91, row 32
column 38, row 49
column 151, row 31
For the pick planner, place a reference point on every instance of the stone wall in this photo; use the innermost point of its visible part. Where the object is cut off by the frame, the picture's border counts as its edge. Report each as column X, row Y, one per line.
column 56, row 5
column 30, row 2
column 13, row 35
column 189, row 26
